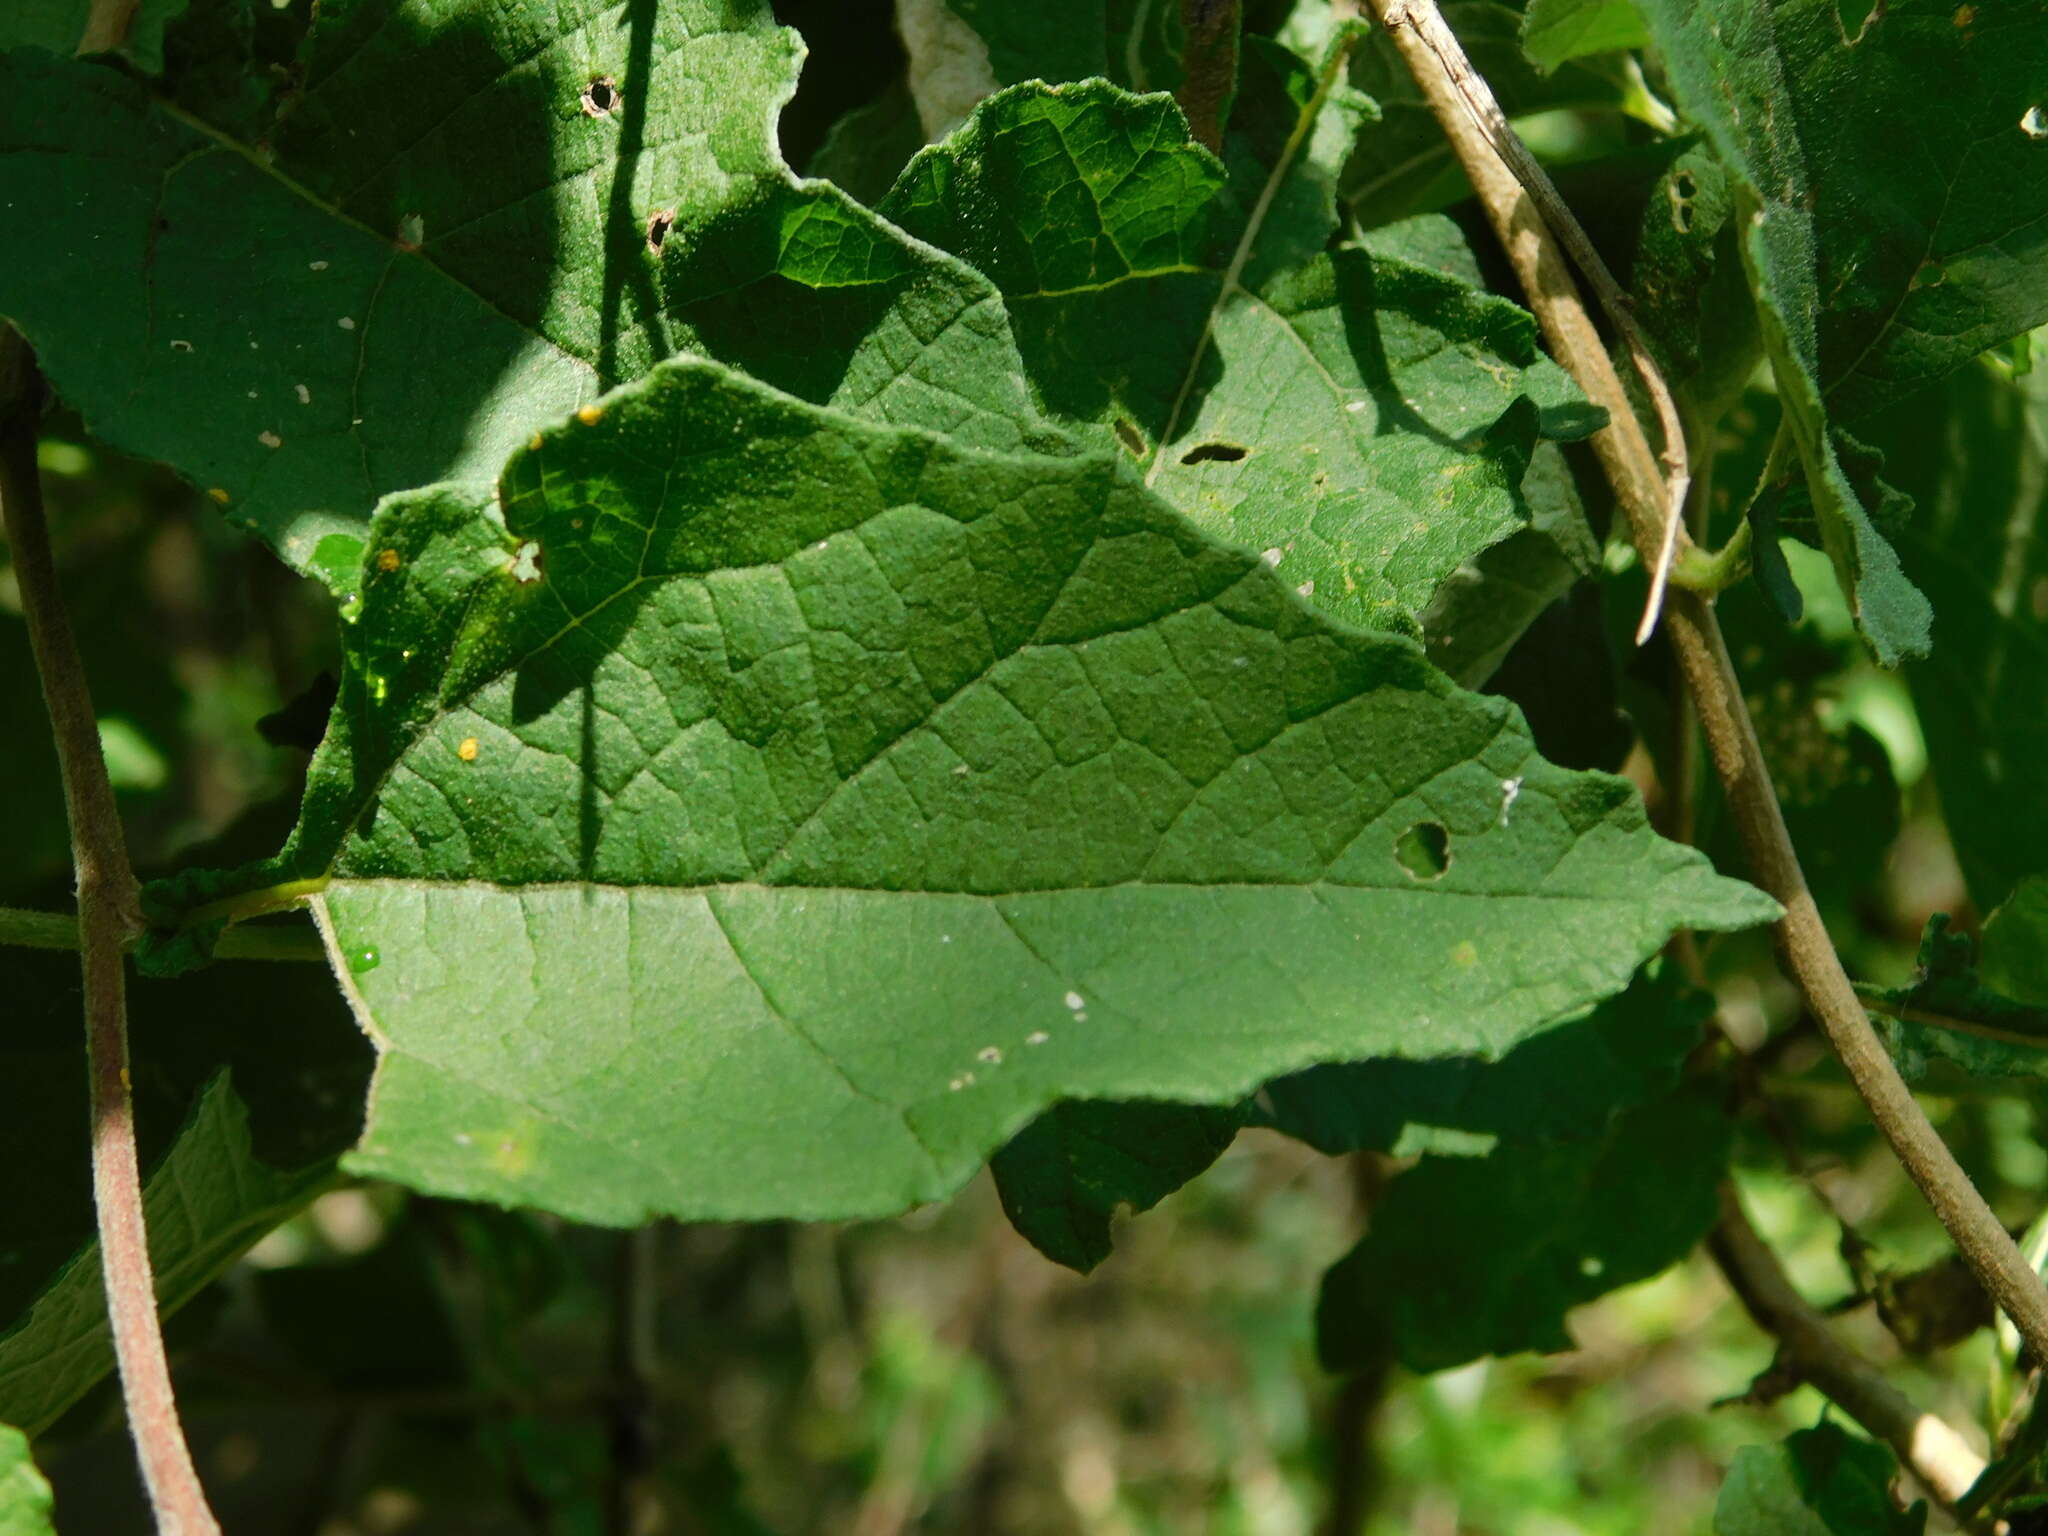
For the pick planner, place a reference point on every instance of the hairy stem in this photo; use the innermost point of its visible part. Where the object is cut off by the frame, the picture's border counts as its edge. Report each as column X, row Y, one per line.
column 108, row 919
column 1810, row 1350
column 1805, row 949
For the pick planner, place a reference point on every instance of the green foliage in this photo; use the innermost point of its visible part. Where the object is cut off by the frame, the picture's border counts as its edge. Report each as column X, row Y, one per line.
column 1476, row 1256
column 1874, row 276
column 24, row 1496
column 1819, row 1482
column 968, row 657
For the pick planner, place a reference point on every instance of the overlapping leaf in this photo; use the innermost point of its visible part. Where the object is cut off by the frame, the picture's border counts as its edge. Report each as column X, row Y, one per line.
column 833, row 777
column 468, row 220
column 1365, row 418
column 1881, row 261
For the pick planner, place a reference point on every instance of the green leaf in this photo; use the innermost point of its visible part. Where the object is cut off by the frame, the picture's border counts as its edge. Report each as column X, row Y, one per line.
column 64, row 28
column 1365, row 418
column 451, row 236
column 1986, row 1018
column 1974, row 455
column 1063, row 1176
column 1566, row 1083
column 219, row 1175
column 24, row 1496
column 205, row 1204
column 1476, row 1256
column 1877, row 271
column 1134, row 43
column 866, row 150
column 1555, row 32
column 1818, row 1482
column 841, row 778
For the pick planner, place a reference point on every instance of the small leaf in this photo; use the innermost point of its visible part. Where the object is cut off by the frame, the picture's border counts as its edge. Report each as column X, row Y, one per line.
column 208, row 1201
column 1958, row 1012
column 1476, row 1256
column 1555, row 32
column 1818, row 1482
column 1063, row 1176
column 901, row 791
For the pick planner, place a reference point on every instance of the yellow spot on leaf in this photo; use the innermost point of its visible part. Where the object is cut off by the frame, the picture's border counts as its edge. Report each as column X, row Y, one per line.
column 1466, row 954
column 534, row 442
column 467, row 751
column 590, row 415
column 219, row 495
column 387, row 560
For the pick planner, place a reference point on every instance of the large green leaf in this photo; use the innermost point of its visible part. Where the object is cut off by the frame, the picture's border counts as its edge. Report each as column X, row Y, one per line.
column 24, row 1496
column 1476, row 1256
column 1364, row 417
column 1974, row 456
column 859, row 796
column 1819, row 1482
column 1881, row 262
column 469, row 219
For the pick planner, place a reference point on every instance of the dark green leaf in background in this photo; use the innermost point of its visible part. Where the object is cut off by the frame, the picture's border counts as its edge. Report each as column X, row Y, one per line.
column 1484, row 1256
column 1555, row 32
column 1818, row 1482
column 1974, row 456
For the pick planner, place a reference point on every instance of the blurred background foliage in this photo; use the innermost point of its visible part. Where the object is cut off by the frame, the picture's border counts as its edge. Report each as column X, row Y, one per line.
column 386, row 1363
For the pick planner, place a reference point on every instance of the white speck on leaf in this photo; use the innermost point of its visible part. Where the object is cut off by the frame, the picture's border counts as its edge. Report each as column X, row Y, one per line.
column 1076, row 1001
column 1306, row 589
column 305, row 395
column 1271, row 556
column 990, row 1054
column 1509, row 788
column 960, row 769
column 346, row 322
column 270, row 439
column 462, row 1138
column 181, row 346
column 2034, row 123
column 1037, row 1037
column 317, row 266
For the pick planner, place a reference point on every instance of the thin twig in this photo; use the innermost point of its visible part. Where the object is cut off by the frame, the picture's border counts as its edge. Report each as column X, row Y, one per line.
column 1421, row 21
column 1804, row 946
column 1809, row 1349
column 108, row 918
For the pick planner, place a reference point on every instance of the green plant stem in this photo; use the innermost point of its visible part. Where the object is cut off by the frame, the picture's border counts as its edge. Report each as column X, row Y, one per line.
column 25, row 929
column 1712, row 574
column 108, row 920
column 1805, row 949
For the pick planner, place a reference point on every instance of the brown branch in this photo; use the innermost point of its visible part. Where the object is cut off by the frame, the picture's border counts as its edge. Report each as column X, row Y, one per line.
column 1809, row 1349
column 108, row 918
column 1624, row 451
column 1419, row 24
